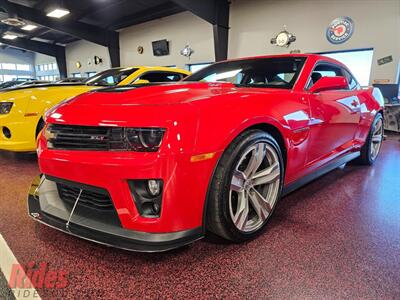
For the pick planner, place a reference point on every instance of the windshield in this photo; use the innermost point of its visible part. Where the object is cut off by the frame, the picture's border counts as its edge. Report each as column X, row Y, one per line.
column 110, row 77
column 260, row 72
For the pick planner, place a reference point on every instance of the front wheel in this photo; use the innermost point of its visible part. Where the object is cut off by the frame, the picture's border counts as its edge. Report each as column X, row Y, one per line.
column 373, row 144
column 245, row 187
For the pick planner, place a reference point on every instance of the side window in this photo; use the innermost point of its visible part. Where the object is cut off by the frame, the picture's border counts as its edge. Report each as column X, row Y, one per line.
column 161, row 77
column 352, row 82
column 324, row 70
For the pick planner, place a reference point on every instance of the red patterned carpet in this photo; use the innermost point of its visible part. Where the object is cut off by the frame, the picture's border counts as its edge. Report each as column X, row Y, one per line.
column 338, row 237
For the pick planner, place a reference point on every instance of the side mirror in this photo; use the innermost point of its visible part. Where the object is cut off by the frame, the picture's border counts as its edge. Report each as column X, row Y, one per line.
column 141, row 81
column 329, row 83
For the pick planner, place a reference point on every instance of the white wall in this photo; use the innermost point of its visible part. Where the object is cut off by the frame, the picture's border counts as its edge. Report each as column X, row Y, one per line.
column 84, row 52
column 179, row 29
column 41, row 59
column 377, row 25
column 16, row 56
column 253, row 23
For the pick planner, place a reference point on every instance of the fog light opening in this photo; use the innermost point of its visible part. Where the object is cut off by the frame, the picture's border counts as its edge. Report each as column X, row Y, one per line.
column 147, row 195
column 6, row 132
column 156, row 208
column 154, row 187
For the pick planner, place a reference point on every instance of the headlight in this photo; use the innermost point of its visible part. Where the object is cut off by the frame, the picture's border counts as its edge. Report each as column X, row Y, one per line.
column 5, row 107
column 144, row 139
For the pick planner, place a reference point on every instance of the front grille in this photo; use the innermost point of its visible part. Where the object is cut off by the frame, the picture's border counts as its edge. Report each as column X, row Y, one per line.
column 98, row 199
column 85, row 137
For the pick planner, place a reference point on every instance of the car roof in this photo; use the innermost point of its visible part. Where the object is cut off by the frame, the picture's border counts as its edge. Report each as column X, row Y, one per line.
column 314, row 57
column 156, row 68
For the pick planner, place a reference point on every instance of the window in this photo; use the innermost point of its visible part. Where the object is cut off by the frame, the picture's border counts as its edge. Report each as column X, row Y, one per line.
column 324, row 70
column 350, row 79
column 197, row 67
column 76, row 75
column 45, row 67
column 161, row 77
column 110, row 77
column 359, row 63
column 286, row 76
column 9, row 77
column 330, row 70
column 23, row 67
column 7, row 66
column 261, row 72
column 90, row 74
column 55, row 67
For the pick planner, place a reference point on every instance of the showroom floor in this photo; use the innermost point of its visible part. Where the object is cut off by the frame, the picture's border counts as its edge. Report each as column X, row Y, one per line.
column 337, row 237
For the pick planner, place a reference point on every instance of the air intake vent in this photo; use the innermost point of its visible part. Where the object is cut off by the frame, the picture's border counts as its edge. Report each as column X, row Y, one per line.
column 98, row 199
column 83, row 137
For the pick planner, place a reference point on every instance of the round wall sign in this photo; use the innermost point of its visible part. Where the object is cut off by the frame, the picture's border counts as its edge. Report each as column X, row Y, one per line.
column 340, row 30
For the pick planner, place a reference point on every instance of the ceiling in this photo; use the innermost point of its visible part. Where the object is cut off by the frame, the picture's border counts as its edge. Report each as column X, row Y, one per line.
column 104, row 14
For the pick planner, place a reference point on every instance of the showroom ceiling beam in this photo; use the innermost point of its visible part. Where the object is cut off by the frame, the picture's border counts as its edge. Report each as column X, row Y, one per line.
column 44, row 48
column 215, row 12
column 94, row 34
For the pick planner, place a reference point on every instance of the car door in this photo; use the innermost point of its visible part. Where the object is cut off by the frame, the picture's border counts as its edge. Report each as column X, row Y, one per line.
column 335, row 116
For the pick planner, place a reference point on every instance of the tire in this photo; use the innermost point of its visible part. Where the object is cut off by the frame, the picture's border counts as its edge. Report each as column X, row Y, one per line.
column 238, row 180
column 369, row 153
column 39, row 127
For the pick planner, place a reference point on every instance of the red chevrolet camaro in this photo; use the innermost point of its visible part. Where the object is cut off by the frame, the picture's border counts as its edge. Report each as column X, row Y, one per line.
column 156, row 167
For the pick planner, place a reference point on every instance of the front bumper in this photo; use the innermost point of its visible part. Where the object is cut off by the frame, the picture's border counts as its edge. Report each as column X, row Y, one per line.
column 45, row 206
column 23, row 132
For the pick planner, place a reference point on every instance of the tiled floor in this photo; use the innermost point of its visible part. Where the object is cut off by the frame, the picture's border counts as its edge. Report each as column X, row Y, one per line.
column 338, row 237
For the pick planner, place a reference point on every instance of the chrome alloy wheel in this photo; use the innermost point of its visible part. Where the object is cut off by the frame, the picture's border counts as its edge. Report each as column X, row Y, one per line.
column 376, row 140
column 254, row 187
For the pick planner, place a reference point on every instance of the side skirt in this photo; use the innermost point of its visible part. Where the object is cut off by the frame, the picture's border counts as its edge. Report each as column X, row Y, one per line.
column 321, row 171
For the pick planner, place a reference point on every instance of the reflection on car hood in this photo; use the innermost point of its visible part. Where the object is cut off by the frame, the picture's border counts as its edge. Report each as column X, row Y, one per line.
column 33, row 86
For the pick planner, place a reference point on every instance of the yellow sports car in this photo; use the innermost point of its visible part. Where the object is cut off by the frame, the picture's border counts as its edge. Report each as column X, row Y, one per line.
column 22, row 109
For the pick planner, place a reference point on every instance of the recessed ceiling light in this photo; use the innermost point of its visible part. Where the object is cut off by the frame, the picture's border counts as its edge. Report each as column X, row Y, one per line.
column 9, row 36
column 29, row 27
column 58, row 13
column 13, row 22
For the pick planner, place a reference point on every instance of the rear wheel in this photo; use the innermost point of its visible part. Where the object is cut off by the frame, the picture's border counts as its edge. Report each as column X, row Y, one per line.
column 246, row 187
column 373, row 144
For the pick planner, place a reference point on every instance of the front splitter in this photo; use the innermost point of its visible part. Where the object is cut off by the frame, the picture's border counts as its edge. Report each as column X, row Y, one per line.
column 112, row 235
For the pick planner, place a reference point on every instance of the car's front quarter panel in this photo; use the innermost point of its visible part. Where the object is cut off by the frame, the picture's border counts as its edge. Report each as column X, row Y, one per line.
column 230, row 114
column 29, row 105
column 17, row 121
column 181, row 207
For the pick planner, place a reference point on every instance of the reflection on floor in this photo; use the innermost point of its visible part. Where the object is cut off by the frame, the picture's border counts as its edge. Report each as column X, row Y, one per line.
column 337, row 237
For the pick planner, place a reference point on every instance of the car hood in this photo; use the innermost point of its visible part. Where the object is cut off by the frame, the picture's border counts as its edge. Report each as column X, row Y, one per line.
column 40, row 86
column 162, row 94
column 152, row 105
